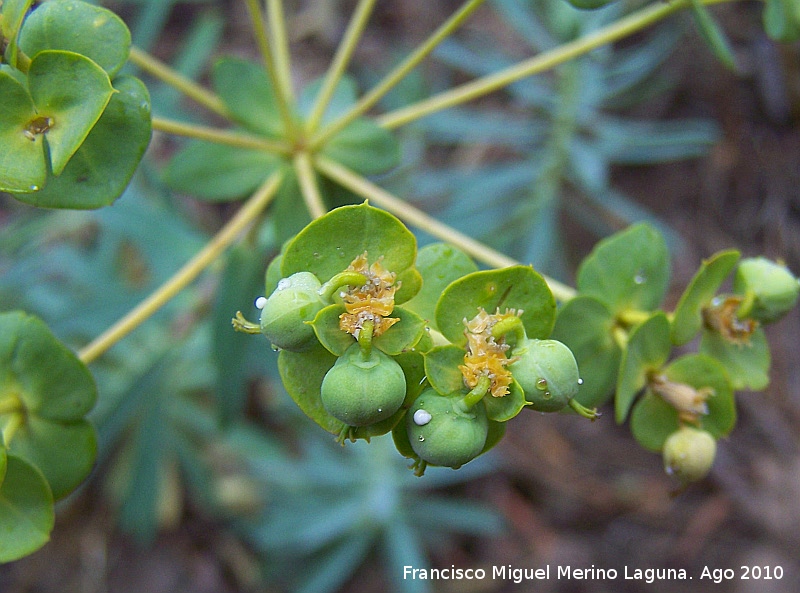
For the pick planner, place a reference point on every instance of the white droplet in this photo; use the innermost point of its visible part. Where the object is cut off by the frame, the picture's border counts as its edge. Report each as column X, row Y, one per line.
column 380, row 410
column 283, row 284
column 261, row 302
column 640, row 278
column 580, row 381
column 422, row 417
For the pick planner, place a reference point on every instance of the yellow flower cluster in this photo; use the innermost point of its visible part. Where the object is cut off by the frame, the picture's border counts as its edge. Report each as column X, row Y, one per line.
column 486, row 356
column 374, row 301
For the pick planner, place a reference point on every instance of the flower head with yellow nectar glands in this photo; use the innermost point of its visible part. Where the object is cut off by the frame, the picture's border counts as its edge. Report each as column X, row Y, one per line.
column 486, row 356
column 373, row 301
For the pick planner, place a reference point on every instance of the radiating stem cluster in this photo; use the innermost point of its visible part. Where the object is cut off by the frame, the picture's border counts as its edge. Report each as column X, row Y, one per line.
column 301, row 144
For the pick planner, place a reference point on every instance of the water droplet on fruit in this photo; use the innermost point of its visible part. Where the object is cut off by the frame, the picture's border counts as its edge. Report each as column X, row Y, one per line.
column 580, row 381
column 380, row 410
column 421, row 439
column 547, row 395
column 639, row 278
column 541, row 384
column 422, row 417
column 283, row 284
column 261, row 302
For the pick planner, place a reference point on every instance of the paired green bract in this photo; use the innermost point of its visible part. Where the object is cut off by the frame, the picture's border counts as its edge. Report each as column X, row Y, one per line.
column 361, row 388
column 48, row 446
column 458, row 329
column 74, row 130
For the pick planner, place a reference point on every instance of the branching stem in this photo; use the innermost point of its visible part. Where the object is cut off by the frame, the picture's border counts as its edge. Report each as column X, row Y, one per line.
column 396, row 75
column 634, row 22
column 176, row 80
column 227, row 137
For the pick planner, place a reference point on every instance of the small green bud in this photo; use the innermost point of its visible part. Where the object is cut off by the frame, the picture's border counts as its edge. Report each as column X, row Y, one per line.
column 284, row 314
column 689, row 453
column 547, row 372
column 442, row 432
column 361, row 390
column 771, row 286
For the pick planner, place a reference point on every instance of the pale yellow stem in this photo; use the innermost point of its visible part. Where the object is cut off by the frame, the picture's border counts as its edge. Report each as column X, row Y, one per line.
column 308, row 185
column 183, row 277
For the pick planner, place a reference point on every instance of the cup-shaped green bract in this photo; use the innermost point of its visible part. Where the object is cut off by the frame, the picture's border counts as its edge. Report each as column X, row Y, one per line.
column 442, row 432
column 773, row 287
column 689, row 453
column 295, row 301
column 363, row 389
column 547, row 372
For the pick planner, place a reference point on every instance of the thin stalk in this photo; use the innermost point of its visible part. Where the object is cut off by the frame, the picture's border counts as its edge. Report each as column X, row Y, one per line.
column 280, row 44
column 415, row 217
column 259, row 30
column 227, row 137
column 340, row 61
column 467, row 92
column 176, row 80
column 396, row 75
column 308, row 185
column 183, row 277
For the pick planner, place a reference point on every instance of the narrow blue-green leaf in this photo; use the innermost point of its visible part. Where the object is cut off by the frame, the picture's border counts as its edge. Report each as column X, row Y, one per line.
column 331, row 571
column 219, row 173
column 713, row 34
column 240, row 283
column 782, row 20
column 247, row 92
column 364, row 147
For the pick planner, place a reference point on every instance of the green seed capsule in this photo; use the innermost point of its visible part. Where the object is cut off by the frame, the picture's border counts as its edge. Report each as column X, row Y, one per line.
column 360, row 390
column 689, row 454
column 547, row 372
column 772, row 287
column 442, row 432
column 284, row 314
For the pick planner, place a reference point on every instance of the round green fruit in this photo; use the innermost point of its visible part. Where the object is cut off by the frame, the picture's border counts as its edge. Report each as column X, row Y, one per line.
column 284, row 314
column 361, row 390
column 773, row 288
column 442, row 432
column 547, row 372
column 689, row 453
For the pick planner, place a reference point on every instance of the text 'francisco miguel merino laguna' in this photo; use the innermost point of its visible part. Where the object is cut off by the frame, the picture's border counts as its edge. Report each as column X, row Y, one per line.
column 518, row 575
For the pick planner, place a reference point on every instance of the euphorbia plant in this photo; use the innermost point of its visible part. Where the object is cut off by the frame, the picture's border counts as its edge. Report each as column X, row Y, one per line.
column 374, row 336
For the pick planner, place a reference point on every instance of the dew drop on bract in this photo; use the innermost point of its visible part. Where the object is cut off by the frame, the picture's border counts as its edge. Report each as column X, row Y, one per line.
column 541, row 384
